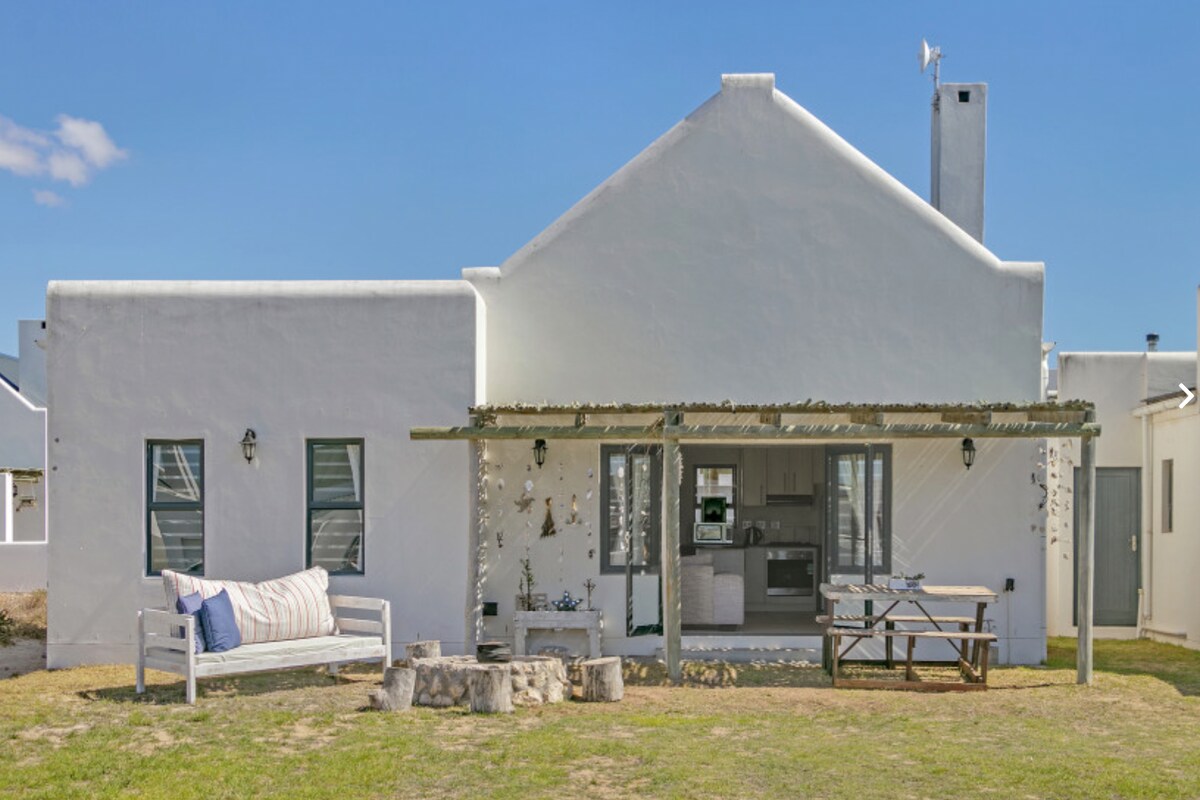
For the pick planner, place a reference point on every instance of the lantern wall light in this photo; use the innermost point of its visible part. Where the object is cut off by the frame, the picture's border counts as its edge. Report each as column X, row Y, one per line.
column 249, row 444
column 968, row 452
column 539, row 452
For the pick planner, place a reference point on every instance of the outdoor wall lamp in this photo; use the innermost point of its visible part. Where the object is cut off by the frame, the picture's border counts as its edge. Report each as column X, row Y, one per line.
column 539, row 452
column 249, row 443
column 968, row 451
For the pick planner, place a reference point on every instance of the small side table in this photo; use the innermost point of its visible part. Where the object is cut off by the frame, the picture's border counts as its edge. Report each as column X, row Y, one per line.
column 588, row 621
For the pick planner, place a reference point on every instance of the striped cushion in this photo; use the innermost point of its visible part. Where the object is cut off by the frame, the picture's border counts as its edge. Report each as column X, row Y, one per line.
column 292, row 607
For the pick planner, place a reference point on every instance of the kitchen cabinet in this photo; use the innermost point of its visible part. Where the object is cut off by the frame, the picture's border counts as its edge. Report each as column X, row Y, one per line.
column 789, row 470
column 754, row 476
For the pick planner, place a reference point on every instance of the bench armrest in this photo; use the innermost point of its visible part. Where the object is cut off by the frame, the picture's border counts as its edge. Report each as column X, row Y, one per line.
column 158, row 621
column 364, row 603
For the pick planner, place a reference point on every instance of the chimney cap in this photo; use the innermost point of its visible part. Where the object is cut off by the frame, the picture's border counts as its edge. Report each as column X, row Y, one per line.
column 1152, row 341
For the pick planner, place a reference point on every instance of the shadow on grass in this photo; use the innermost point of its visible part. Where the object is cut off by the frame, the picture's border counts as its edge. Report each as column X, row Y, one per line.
column 1169, row 663
column 230, row 686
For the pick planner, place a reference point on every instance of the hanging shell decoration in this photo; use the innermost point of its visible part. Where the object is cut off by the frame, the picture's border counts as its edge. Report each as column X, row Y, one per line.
column 524, row 503
column 499, row 540
column 573, row 517
column 548, row 528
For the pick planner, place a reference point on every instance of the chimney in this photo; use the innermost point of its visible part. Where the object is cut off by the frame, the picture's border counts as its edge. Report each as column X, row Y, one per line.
column 959, row 151
column 1151, row 342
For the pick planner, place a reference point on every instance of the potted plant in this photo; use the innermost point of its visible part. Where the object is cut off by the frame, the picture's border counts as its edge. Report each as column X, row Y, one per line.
column 906, row 582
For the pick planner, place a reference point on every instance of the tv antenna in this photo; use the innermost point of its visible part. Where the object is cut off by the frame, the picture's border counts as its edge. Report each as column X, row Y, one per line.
column 931, row 55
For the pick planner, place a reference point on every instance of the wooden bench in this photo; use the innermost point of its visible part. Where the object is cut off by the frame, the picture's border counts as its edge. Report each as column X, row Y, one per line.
column 976, row 680
column 160, row 646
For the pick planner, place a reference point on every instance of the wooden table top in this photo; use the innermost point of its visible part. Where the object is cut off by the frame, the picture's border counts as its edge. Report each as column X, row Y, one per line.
column 880, row 592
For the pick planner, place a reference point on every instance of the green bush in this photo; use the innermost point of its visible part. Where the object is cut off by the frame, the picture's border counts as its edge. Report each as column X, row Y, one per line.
column 6, row 628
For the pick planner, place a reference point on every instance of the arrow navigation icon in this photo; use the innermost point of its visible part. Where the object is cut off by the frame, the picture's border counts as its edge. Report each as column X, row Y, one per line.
column 1190, row 397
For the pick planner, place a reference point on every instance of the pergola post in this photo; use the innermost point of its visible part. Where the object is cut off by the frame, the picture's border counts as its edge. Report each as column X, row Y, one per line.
column 1085, row 561
column 672, row 607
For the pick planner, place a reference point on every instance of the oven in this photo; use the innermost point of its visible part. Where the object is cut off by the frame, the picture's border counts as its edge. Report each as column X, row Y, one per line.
column 792, row 571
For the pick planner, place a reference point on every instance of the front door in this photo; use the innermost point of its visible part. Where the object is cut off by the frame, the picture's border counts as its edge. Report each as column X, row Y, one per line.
column 1118, row 521
column 858, row 526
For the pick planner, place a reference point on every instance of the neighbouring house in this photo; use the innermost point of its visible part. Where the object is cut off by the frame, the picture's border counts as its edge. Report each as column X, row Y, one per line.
column 1147, row 520
column 23, row 462
column 744, row 364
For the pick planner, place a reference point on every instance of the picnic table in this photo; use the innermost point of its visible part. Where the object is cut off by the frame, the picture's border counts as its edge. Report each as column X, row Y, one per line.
column 964, row 633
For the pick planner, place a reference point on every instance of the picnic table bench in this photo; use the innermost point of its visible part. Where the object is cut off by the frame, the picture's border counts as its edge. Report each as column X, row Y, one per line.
column 969, row 640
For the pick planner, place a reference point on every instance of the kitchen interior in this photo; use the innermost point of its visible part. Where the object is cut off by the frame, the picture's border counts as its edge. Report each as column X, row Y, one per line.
column 751, row 538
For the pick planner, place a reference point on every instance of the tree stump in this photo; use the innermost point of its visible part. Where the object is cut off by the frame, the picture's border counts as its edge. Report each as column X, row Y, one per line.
column 396, row 694
column 428, row 649
column 490, row 689
column 602, row 681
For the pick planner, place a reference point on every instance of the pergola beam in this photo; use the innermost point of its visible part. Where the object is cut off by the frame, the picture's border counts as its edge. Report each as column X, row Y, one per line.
column 655, row 433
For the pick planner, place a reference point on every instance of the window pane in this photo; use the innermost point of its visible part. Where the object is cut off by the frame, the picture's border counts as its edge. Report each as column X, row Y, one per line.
column 337, row 539
column 336, row 474
column 177, row 541
column 877, row 521
column 642, row 512
column 850, row 509
column 176, row 473
column 618, row 509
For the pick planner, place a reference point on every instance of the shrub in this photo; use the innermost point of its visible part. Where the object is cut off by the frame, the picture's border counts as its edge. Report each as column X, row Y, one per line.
column 6, row 628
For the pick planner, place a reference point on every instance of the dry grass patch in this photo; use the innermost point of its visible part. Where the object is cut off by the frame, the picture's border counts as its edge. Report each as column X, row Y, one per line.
column 27, row 610
column 733, row 730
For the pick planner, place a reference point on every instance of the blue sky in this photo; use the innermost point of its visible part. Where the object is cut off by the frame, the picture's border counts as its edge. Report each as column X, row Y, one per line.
column 397, row 140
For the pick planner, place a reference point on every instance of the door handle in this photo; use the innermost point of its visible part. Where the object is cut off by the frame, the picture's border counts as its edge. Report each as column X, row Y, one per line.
column 1133, row 543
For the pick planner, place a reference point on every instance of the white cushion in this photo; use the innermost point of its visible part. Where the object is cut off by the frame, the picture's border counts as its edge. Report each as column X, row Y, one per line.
column 321, row 648
column 293, row 607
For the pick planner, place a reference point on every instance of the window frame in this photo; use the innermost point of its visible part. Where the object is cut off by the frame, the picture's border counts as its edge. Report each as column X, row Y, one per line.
column 152, row 505
column 310, row 505
column 882, row 538
column 656, row 468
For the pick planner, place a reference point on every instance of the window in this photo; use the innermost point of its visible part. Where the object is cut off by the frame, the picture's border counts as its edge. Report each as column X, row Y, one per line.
column 964, row 96
column 1168, row 495
column 175, row 507
column 335, row 505
column 630, row 485
column 858, row 487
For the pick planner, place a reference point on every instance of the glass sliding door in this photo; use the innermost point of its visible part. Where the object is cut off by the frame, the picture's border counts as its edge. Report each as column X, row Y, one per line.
column 858, row 538
column 631, row 544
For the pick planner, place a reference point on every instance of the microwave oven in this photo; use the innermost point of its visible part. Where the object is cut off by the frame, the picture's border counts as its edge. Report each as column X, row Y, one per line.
column 712, row 533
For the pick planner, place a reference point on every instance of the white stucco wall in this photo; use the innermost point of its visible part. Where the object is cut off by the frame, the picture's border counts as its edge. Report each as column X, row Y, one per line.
column 1174, row 556
column 297, row 360
column 752, row 254
column 1117, row 383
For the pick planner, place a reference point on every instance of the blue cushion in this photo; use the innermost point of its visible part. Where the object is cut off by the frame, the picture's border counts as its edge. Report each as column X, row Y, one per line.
column 220, row 625
column 191, row 605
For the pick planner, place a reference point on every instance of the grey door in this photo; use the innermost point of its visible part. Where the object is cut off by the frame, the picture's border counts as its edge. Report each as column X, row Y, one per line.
column 1118, row 524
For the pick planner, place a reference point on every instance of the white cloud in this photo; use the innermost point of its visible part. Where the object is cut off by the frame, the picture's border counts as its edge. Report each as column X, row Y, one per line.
column 66, row 166
column 45, row 197
column 74, row 152
column 89, row 139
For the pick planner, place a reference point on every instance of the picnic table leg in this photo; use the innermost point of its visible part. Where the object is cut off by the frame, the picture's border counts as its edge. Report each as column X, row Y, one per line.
column 837, row 645
column 983, row 666
column 979, row 609
column 964, row 627
column 909, row 675
column 889, row 661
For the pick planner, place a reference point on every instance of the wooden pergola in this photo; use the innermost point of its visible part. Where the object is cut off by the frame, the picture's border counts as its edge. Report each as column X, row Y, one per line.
column 668, row 425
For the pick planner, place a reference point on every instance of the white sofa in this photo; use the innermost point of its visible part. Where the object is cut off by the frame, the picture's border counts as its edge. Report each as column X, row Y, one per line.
column 359, row 639
column 708, row 597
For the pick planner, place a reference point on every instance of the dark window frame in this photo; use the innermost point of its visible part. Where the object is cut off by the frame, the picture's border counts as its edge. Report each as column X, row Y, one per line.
column 190, row 505
column 655, row 453
column 360, row 505
column 884, row 538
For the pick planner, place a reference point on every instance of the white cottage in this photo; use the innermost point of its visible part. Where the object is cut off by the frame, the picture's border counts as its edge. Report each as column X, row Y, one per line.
column 743, row 365
column 1146, row 544
column 22, row 462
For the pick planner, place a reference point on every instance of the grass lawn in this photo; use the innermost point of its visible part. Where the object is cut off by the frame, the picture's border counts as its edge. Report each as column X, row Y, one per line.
column 732, row 731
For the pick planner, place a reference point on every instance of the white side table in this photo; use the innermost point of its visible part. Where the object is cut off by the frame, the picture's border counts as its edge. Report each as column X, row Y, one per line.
column 588, row 621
